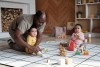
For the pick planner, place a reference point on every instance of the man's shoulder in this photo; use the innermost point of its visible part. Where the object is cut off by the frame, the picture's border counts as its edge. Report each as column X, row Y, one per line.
column 26, row 15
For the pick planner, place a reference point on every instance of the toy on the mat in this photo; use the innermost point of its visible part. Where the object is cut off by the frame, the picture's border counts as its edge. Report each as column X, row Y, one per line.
column 86, row 52
column 65, row 44
column 61, row 61
column 62, row 50
column 81, row 48
column 60, row 46
column 45, row 50
column 40, row 54
column 77, row 52
column 61, row 36
column 48, row 60
column 68, row 61
column 71, row 45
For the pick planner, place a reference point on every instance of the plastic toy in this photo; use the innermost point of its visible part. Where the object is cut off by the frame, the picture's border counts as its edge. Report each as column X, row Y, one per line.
column 62, row 50
column 71, row 46
column 68, row 61
column 65, row 44
column 77, row 52
column 86, row 52
column 61, row 36
column 61, row 61
column 45, row 50
column 48, row 60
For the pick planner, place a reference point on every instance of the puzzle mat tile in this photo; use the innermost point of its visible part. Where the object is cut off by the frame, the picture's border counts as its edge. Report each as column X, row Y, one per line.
column 20, row 56
column 77, row 60
column 21, row 59
column 92, row 63
column 54, row 63
column 35, row 65
column 18, row 63
column 6, row 60
column 92, row 53
column 96, row 58
column 98, row 54
column 81, row 65
column 1, row 52
column 8, row 54
column 55, row 52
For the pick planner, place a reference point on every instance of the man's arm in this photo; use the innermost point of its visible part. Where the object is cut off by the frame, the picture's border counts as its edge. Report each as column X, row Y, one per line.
column 39, row 38
column 39, row 34
column 18, row 39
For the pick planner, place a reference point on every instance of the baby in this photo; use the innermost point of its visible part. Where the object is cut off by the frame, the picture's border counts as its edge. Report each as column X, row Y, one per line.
column 78, row 37
column 31, row 39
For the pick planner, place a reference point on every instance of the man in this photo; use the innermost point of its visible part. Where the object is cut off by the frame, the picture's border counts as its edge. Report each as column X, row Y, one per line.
column 19, row 27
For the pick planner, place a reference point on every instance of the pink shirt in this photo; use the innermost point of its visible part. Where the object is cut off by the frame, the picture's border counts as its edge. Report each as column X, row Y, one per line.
column 78, row 41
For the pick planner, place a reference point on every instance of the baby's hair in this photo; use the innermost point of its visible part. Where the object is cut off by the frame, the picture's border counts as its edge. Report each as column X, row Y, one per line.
column 31, row 28
column 78, row 25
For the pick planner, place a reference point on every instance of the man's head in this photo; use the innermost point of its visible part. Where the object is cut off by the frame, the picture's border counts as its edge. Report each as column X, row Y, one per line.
column 40, row 16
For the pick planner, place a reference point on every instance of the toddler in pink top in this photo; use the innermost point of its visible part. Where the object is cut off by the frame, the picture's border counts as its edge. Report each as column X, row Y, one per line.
column 78, row 36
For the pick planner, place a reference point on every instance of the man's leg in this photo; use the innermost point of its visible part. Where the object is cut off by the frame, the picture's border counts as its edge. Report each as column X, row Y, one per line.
column 15, row 46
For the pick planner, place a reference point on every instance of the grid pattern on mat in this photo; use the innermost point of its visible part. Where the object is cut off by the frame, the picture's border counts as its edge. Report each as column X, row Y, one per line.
column 9, row 57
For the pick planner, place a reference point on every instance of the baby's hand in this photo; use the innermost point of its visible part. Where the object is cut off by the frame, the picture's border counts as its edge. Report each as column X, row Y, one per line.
column 76, row 47
column 77, row 36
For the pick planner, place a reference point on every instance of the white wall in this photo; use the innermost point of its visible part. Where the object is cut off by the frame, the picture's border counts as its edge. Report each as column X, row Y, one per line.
column 28, row 7
column 30, row 2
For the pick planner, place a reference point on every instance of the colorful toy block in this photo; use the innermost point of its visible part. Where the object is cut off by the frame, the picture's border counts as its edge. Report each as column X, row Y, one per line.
column 71, row 46
column 62, row 51
column 86, row 52
column 77, row 53
column 68, row 61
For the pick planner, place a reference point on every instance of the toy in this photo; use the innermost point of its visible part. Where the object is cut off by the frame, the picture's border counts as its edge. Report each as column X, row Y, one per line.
column 68, row 61
column 65, row 44
column 61, row 61
column 61, row 36
column 86, row 52
column 44, row 50
column 39, row 54
column 77, row 52
column 81, row 48
column 71, row 46
column 62, row 51
column 48, row 61
column 60, row 46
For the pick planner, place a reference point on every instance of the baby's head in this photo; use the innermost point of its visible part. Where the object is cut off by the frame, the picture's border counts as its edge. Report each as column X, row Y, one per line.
column 78, row 28
column 33, row 31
